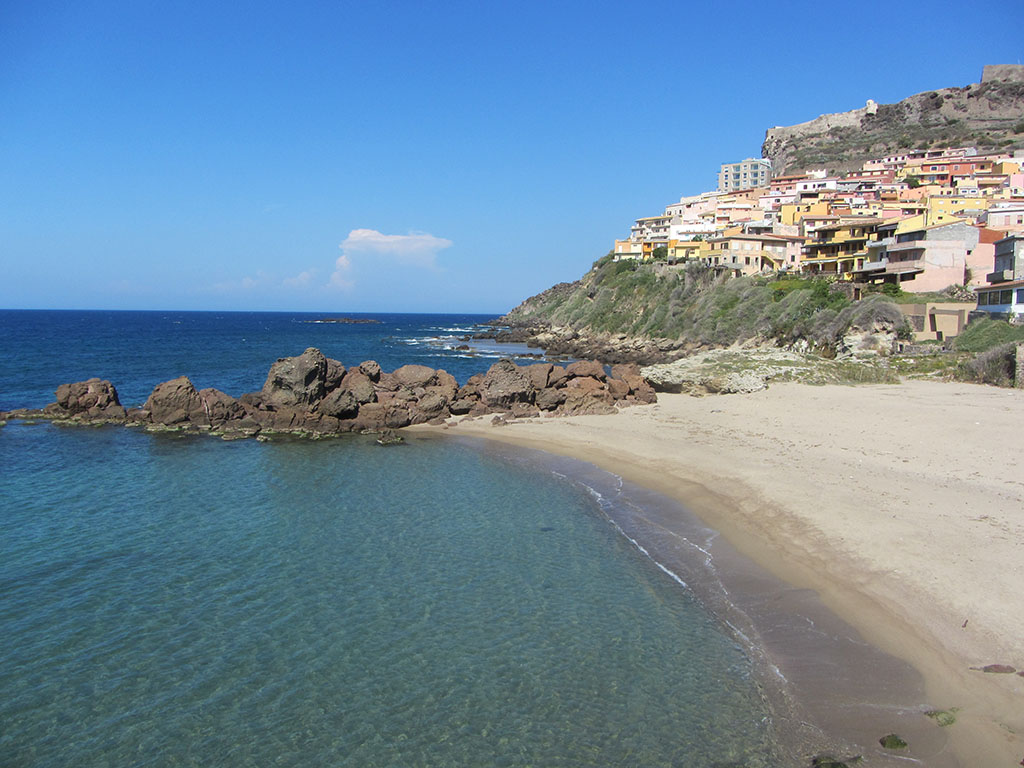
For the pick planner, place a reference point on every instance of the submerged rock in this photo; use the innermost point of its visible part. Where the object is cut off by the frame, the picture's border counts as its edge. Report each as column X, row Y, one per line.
column 892, row 741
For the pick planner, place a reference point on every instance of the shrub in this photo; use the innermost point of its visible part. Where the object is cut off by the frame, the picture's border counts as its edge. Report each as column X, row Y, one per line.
column 986, row 334
column 994, row 366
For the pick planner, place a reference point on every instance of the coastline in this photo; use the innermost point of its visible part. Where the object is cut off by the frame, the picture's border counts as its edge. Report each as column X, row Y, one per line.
column 897, row 505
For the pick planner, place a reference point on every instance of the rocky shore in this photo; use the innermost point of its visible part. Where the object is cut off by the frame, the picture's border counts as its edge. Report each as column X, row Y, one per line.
column 559, row 342
column 315, row 396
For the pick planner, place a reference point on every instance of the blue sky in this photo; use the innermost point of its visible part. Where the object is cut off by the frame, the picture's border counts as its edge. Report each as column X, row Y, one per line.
column 390, row 156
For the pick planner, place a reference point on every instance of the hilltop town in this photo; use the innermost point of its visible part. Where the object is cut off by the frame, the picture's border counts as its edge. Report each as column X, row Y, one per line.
column 945, row 220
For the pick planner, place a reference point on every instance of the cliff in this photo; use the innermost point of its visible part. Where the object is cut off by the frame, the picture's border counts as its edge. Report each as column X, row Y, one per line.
column 624, row 311
column 988, row 115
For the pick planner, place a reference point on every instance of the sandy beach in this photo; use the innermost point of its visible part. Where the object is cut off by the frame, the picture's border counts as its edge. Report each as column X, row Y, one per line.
column 900, row 507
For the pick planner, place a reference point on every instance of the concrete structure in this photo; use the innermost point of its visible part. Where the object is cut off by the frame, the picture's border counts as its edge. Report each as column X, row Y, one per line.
column 839, row 249
column 920, row 259
column 752, row 172
column 650, row 228
column 749, row 254
column 1008, row 217
column 1010, row 72
column 627, row 249
column 937, row 321
column 1004, row 294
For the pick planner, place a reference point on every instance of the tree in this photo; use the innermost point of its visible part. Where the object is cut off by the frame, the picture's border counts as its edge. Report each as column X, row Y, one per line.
column 660, row 253
column 913, row 182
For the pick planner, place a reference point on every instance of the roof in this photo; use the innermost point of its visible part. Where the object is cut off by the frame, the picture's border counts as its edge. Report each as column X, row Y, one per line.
column 745, row 236
column 855, row 222
column 1000, row 286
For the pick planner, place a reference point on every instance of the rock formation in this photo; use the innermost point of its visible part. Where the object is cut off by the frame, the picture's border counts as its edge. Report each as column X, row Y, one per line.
column 985, row 115
column 312, row 395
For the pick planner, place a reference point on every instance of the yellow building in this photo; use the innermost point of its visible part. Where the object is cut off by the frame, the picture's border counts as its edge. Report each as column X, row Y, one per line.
column 791, row 214
column 688, row 250
column 942, row 209
column 839, row 249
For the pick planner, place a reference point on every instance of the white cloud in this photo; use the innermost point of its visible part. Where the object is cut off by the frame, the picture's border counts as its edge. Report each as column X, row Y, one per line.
column 301, row 280
column 417, row 249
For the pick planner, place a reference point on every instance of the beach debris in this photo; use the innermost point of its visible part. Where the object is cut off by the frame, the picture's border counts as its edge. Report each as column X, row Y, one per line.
column 996, row 669
column 943, row 717
column 892, row 741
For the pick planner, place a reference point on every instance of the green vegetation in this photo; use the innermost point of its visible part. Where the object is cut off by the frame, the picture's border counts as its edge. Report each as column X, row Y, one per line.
column 943, row 717
column 983, row 335
column 703, row 308
column 892, row 741
column 955, row 293
column 697, row 304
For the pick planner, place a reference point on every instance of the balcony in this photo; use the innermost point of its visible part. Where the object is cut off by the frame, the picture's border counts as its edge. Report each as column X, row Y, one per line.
column 908, row 245
column 1001, row 276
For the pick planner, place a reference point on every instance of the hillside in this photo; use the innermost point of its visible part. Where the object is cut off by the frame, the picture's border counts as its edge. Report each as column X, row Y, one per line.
column 650, row 312
column 988, row 115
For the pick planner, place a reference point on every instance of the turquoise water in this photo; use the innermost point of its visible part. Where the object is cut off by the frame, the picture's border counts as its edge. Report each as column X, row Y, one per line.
column 171, row 601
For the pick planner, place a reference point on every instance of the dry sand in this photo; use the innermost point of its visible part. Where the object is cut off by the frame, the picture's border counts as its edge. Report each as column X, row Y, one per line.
column 901, row 506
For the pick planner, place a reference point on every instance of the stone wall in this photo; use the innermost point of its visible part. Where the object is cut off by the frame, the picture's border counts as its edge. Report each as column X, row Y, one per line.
column 1007, row 72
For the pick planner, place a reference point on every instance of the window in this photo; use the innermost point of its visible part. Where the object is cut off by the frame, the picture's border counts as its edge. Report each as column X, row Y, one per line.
column 1006, row 297
column 1020, row 295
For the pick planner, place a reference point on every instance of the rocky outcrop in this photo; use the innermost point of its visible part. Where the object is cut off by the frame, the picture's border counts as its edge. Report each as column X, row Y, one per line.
column 559, row 342
column 94, row 398
column 312, row 395
column 984, row 115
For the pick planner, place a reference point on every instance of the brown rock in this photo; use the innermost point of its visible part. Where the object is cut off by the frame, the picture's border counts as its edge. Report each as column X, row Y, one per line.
column 432, row 405
column 296, row 381
column 618, row 388
column 219, row 407
column 549, row 399
column 586, row 403
column 539, row 373
column 370, row 369
column 340, row 404
column 173, row 401
column 333, row 376
column 369, row 418
column 359, row 384
column 585, row 384
column 462, row 405
column 622, row 370
column 590, row 368
column 387, row 382
column 558, row 376
column 445, row 384
column 506, row 383
column 82, row 396
column 397, row 416
column 413, row 376
column 524, row 411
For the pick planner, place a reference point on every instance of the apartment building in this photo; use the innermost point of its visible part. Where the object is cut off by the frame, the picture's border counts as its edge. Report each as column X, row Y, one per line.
column 752, row 172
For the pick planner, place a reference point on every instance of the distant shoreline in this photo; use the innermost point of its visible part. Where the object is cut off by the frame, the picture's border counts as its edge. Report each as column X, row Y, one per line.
column 886, row 502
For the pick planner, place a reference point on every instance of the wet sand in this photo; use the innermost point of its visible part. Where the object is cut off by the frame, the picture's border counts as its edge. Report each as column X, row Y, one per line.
column 872, row 545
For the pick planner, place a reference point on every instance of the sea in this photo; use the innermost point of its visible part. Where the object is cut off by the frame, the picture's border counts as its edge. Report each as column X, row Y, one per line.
column 171, row 600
